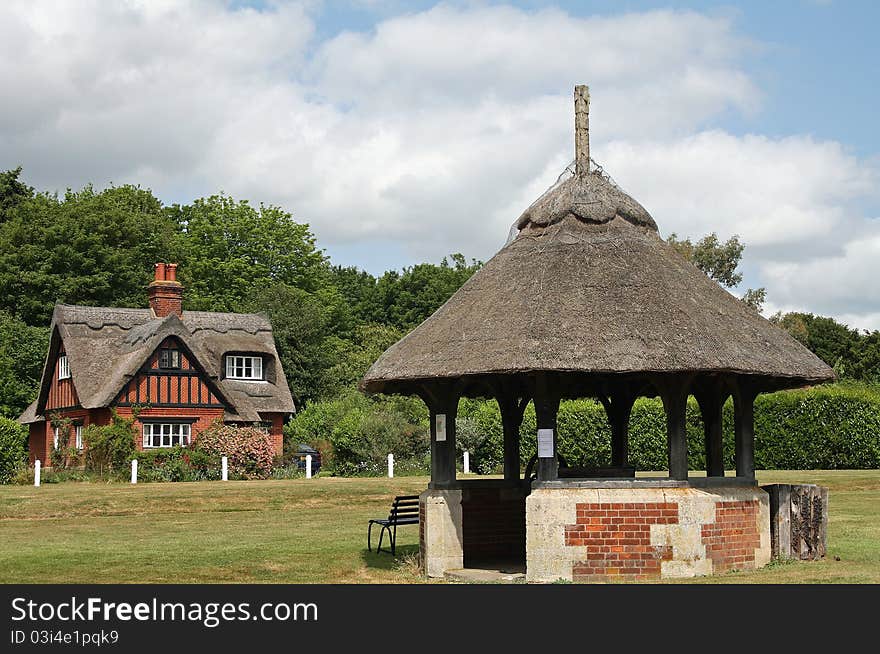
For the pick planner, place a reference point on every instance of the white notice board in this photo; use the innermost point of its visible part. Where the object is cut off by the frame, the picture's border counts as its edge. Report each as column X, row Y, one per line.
column 440, row 422
column 545, row 443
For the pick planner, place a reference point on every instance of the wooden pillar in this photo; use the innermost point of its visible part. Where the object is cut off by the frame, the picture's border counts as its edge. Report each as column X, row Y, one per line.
column 442, row 402
column 618, row 407
column 711, row 397
column 512, row 408
column 675, row 394
column 744, row 428
column 546, row 399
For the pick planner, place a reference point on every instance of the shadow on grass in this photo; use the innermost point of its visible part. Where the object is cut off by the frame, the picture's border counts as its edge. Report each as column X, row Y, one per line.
column 384, row 561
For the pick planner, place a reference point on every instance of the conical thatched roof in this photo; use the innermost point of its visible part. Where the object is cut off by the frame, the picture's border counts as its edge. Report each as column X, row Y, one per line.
column 589, row 286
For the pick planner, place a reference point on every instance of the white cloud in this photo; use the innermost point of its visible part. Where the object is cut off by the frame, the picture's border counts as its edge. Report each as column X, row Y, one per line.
column 431, row 132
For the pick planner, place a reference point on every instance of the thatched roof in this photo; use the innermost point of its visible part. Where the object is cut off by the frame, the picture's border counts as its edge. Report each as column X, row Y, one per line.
column 107, row 346
column 588, row 286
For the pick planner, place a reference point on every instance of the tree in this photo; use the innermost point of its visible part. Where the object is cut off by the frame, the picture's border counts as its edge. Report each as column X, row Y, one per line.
column 853, row 355
column 719, row 261
column 405, row 299
column 92, row 248
column 230, row 250
column 12, row 192
column 13, row 448
column 22, row 350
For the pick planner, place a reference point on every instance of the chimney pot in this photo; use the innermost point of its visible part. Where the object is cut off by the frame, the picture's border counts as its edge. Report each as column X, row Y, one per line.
column 165, row 292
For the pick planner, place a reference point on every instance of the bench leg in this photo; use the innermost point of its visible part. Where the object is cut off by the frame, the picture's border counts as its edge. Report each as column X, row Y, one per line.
column 369, row 533
column 393, row 538
column 381, row 535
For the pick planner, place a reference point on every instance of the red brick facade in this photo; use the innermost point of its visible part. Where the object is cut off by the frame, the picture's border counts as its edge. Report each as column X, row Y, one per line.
column 180, row 394
column 732, row 539
column 618, row 539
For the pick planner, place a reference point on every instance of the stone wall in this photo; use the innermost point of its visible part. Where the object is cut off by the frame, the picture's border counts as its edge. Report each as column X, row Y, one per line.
column 603, row 534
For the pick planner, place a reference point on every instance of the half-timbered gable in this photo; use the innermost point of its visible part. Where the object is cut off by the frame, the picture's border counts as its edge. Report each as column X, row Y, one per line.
column 170, row 377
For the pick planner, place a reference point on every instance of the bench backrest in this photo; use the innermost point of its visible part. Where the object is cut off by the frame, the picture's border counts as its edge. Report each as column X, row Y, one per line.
column 404, row 506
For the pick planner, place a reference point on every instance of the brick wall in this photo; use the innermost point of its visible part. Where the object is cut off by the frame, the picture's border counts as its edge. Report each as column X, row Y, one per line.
column 732, row 539
column 618, row 539
column 601, row 534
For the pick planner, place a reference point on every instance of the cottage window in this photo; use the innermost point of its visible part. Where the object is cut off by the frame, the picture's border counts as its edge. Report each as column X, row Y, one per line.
column 161, row 434
column 63, row 367
column 244, row 367
column 78, row 432
column 169, row 358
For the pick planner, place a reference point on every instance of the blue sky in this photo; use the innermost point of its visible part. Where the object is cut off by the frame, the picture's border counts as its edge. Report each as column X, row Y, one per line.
column 404, row 131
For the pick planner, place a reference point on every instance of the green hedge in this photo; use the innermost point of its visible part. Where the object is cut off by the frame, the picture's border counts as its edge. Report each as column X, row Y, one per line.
column 13, row 448
column 826, row 427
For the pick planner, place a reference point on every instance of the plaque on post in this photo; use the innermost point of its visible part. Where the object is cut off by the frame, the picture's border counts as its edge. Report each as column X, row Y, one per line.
column 545, row 443
column 440, row 422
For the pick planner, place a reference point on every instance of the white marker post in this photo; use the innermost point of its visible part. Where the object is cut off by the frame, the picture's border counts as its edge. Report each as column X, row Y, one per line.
column 467, row 462
column 37, row 473
column 134, row 471
column 308, row 466
column 224, row 469
column 390, row 466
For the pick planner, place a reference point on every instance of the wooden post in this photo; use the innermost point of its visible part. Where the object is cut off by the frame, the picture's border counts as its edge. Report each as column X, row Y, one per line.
column 512, row 407
column 582, row 129
column 224, row 469
column 37, row 467
column 744, row 428
column 546, row 407
column 675, row 404
column 134, row 471
column 308, row 466
column 798, row 520
column 466, row 464
column 618, row 407
column 442, row 401
column 390, row 466
column 711, row 400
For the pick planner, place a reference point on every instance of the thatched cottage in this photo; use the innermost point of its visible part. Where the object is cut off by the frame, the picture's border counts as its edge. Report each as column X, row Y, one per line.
column 182, row 369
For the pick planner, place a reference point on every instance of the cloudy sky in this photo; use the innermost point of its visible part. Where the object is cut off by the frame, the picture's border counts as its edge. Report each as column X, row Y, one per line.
column 403, row 131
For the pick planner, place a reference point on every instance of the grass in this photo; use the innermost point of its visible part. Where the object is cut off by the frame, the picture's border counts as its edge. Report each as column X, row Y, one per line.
column 311, row 531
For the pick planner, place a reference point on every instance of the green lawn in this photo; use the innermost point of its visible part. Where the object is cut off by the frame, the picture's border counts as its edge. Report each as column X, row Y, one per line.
column 310, row 531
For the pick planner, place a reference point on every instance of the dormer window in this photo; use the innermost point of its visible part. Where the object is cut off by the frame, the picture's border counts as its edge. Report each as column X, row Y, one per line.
column 169, row 358
column 63, row 367
column 248, row 368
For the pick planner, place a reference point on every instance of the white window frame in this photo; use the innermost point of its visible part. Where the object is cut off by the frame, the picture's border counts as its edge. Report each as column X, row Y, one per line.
column 63, row 367
column 78, row 431
column 55, row 435
column 166, row 434
column 244, row 367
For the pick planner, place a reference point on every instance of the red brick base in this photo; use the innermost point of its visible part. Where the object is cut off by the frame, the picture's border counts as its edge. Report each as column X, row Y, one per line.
column 732, row 539
column 618, row 539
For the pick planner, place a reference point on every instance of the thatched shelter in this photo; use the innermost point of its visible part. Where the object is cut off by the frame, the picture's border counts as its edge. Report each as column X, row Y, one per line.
column 589, row 301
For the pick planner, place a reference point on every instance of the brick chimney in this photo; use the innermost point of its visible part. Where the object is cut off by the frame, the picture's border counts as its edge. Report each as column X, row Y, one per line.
column 166, row 293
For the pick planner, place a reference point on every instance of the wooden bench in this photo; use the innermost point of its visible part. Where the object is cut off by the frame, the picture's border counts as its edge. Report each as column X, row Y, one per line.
column 404, row 511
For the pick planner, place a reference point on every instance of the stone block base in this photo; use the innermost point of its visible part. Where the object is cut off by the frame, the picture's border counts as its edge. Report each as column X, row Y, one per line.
column 604, row 534
column 440, row 531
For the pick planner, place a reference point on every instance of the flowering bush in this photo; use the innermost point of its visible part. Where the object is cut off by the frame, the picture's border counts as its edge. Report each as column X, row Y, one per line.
column 250, row 451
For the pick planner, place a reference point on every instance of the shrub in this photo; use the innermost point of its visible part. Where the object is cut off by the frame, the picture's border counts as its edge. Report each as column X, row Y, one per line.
column 178, row 464
column 250, row 451
column 355, row 434
column 110, row 448
column 13, row 449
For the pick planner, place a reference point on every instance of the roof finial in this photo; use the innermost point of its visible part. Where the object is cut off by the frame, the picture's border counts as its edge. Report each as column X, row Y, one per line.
column 582, row 129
